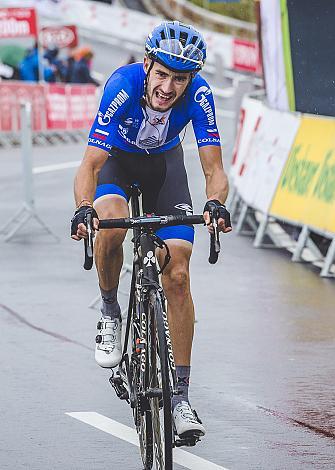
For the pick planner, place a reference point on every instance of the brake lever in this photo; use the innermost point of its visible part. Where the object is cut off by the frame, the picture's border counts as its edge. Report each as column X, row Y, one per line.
column 214, row 239
column 88, row 243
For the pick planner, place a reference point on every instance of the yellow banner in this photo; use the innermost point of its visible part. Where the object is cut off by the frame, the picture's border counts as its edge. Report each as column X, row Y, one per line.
column 306, row 190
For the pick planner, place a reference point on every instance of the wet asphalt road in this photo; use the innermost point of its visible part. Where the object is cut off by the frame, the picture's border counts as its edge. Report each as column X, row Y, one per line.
column 263, row 373
column 263, row 351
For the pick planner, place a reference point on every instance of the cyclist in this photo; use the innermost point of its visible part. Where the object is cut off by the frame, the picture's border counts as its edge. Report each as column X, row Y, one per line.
column 135, row 138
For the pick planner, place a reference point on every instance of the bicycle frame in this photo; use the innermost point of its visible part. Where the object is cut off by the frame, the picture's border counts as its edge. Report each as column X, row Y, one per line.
column 144, row 287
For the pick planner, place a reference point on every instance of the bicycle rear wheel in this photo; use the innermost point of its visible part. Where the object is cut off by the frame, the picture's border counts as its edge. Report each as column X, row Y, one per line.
column 159, row 379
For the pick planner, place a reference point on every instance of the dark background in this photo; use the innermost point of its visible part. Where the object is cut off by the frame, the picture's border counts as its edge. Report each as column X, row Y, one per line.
column 312, row 37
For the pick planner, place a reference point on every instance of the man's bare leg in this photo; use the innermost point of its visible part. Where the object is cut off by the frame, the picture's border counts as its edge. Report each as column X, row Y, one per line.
column 108, row 260
column 108, row 244
column 176, row 284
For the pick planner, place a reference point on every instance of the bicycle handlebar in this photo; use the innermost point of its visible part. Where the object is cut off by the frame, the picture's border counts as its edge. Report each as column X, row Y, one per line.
column 153, row 221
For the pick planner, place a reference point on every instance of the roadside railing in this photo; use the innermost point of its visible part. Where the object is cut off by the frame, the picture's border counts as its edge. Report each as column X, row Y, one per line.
column 187, row 11
column 283, row 173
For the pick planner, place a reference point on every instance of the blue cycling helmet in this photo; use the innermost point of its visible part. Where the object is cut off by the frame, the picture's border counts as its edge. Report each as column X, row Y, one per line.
column 177, row 46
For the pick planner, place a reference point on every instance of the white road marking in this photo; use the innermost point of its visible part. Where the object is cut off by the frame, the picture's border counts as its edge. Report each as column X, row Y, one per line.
column 73, row 164
column 56, row 167
column 64, row 166
column 181, row 457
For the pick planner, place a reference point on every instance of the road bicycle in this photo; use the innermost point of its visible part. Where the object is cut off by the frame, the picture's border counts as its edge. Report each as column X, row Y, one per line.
column 146, row 376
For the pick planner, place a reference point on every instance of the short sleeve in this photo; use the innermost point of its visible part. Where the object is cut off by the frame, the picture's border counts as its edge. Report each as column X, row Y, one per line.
column 203, row 115
column 114, row 102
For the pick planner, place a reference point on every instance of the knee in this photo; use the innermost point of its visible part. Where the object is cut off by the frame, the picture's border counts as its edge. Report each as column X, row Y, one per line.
column 177, row 280
column 111, row 239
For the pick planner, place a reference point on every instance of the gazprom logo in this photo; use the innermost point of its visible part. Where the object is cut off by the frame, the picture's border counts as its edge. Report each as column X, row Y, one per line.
column 115, row 104
column 103, row 120
column 200, row 97
column 201, row 93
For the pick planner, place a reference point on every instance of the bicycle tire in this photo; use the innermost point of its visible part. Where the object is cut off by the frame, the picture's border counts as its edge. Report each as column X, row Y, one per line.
column 160, row 378
column 143, row 425
column 141, row 412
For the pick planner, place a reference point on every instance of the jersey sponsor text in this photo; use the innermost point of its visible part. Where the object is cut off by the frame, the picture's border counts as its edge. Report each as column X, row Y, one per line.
column 115, row 104
column 99, row 142
column 200, row 97
column 209, row 140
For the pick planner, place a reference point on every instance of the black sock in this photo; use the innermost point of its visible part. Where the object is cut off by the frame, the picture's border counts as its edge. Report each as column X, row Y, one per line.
column 183, row 377
column 110, row 307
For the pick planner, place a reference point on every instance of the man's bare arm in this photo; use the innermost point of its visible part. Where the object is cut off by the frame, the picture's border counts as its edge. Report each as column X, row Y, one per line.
column 216, row 179
column 85, row 182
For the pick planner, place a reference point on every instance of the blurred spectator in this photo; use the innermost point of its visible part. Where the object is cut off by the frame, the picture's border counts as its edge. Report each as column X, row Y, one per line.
column 28, row 67
column 69, row 63
column 81, row 67
column 55, row 69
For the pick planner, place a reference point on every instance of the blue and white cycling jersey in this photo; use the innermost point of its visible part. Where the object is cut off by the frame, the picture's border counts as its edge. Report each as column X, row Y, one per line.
column 122, row 122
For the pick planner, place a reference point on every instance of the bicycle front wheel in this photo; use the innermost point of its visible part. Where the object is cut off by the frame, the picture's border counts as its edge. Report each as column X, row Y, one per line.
column 160, row 382
column 140, row 383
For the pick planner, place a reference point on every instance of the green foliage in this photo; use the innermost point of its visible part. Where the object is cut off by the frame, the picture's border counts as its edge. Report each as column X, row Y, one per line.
column 244, row 10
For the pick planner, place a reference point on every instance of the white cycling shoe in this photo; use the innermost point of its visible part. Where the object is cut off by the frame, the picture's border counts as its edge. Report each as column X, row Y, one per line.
column 186, row 421
column 108, row 348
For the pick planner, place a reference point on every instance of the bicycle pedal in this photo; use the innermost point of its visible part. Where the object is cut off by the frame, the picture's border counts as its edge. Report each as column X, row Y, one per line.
column 189, row 441
column 118, row 385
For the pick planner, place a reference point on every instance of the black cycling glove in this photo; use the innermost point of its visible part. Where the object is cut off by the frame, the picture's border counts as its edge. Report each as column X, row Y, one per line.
column 218, row 210
column 80, row 217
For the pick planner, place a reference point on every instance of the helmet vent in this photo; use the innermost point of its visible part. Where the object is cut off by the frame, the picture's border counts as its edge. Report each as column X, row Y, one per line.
column 183, row 37
column 163, row 34
column 172, row 33
column 194, row 40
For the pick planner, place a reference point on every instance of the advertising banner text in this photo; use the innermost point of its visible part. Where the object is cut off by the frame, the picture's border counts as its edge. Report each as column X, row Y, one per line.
column 306, row 190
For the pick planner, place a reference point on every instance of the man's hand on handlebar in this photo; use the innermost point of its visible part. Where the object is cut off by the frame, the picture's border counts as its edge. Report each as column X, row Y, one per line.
column 214, row 208
column 79, row 222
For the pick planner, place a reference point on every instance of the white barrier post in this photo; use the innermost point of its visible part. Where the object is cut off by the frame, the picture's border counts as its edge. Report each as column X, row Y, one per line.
column 242, row 217
column 329, row 260
column 302, row 240
column 28, row 209
column 27, row 156
column 261, row 231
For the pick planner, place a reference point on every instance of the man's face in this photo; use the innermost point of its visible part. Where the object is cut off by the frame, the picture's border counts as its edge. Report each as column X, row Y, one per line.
column 164, row 86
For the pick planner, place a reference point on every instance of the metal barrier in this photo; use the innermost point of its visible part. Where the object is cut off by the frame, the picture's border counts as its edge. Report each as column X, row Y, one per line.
column 54, row 106
column 28, row 209
column 270, row 191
